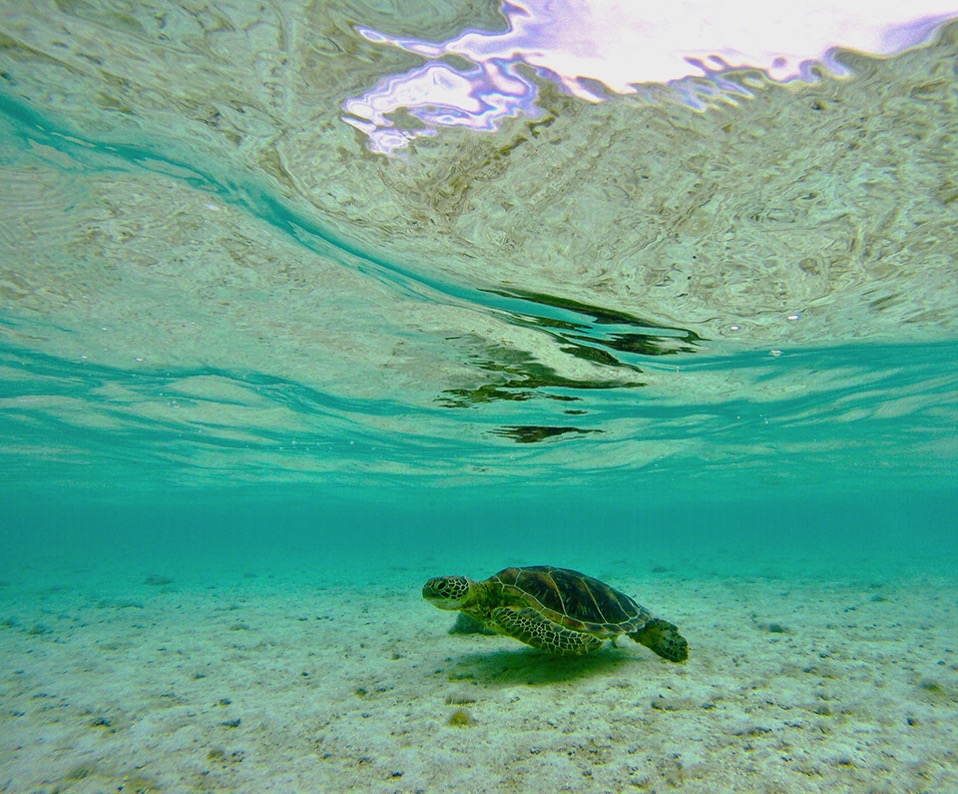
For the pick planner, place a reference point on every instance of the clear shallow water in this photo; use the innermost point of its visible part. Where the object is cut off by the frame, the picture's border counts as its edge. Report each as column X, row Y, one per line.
column 192, row 307
column 245, row 359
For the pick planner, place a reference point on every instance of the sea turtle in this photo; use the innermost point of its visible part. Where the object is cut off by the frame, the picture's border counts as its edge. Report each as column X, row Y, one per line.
column 556, row 610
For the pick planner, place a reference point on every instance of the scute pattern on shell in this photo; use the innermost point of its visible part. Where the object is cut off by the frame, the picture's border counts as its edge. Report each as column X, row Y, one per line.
column 573, row 599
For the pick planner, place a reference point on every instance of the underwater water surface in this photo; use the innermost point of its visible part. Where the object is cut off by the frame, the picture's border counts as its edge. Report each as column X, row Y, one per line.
column 268, row 312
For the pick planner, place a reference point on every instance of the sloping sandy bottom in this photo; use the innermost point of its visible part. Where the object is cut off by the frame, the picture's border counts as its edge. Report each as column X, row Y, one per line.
column 256, row 681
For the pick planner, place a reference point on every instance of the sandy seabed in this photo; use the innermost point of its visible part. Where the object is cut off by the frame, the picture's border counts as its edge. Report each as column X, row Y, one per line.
column 255, row 681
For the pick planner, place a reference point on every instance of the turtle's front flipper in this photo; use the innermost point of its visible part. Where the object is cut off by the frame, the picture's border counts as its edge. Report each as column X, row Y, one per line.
column 528, row 626
column 663, row 638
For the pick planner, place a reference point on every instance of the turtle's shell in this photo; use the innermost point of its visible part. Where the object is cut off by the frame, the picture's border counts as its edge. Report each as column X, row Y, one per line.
column 570, row 599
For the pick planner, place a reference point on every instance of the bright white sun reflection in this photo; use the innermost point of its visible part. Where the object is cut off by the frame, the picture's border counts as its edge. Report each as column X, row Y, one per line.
column 595, row 47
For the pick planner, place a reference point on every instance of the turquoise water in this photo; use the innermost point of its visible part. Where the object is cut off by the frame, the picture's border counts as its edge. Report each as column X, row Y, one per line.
column 235, row 342
column 800, row 444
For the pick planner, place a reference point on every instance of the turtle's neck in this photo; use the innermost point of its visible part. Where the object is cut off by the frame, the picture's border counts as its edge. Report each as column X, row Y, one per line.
column 479, row 606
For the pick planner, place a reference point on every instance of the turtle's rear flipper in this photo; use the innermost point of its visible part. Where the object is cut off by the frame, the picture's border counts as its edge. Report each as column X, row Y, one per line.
column 528, row 626
column 662, row 637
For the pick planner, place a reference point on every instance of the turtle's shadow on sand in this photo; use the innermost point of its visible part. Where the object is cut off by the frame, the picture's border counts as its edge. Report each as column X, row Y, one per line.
column 524, row 666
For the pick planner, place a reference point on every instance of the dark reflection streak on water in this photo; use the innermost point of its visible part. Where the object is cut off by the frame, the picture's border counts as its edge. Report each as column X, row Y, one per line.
column 609, row 328
column 608, row 340
column 532, row 434
column 517, row 376
column 600, row 315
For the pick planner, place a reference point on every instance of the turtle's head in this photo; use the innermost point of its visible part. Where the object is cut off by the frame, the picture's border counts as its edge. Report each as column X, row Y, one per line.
column 449, row 592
